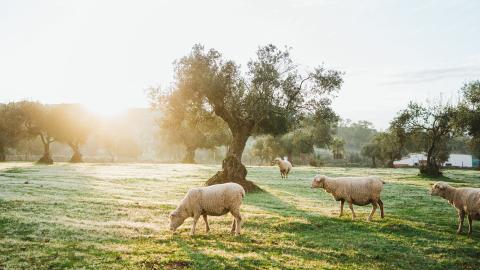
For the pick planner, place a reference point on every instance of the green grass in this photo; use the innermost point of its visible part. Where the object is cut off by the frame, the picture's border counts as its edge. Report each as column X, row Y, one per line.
column 115, row 216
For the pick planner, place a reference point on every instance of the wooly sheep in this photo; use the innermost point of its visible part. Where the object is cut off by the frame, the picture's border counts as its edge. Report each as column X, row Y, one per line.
column 355, row 190
column 284, row 165
column 466, row 200
column 215, row 200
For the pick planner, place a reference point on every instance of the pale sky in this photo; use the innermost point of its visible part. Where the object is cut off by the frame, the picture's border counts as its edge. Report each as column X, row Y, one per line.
column 106, row 53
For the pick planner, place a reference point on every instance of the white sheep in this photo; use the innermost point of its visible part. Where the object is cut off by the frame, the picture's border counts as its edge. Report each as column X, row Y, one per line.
column 355, row 190
column 466, row 200
column 215, row 200
column 284, row 165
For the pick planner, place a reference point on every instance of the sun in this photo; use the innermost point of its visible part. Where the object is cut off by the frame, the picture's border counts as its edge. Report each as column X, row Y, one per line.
column 105, row 109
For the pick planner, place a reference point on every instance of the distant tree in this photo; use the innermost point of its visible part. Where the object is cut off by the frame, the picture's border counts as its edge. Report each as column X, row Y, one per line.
column 391, row 146
column 435, row 124
column 71, row 124
column 372, row 151
column 191, row 126
column 269, row 97
column 267, row 148
column 469, row 114
column 337, row 148
column 297, row 143
column 38, row 121
column 12, row 129
column 355, row 135
column 460, row 145
column 314, row 130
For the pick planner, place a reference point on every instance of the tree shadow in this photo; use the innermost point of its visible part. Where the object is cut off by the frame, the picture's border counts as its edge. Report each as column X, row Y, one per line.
column 387, row 243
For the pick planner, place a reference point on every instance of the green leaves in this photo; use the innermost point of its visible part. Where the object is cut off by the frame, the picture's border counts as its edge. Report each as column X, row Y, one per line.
column 271, row 89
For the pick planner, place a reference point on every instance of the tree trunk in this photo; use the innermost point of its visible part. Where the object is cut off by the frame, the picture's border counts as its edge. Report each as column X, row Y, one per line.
column 432, row 168
column 2, row 154
column 289, row 157
column 374, row 163
column 189, row 155
column 232, row 168
column 390, row 163
column 46, row 158
column 77, row 156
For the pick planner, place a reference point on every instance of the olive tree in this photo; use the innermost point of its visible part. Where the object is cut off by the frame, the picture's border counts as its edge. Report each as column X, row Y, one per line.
column 469, row 114
column 71, row 124
column 434, row 126
column 372, row 151
column 38, row 122
column 191, row 126
column 12, row 129
column 271, row 94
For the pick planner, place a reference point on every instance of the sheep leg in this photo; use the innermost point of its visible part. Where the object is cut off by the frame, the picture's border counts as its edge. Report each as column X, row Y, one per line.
column 461, row 217
column 195, row 219
column 238, row 221
column 374, row 207
column 470, row 221
column 351, row 208
column 380, row 203
column 341, row 208
column 207, row 228
column 233, row 226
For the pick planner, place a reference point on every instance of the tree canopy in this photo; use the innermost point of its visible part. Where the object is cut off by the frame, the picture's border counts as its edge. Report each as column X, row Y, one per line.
column 12, row 129
column 433, row 126
column 268, row 98
column 193, row 126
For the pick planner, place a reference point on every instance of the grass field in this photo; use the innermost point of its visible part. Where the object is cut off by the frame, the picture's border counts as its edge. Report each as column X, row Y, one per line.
column 115, row 216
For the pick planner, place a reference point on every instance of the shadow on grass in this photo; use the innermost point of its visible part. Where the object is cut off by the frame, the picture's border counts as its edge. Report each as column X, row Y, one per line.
column 442, row 178
column 296, row 235
column 386, row 243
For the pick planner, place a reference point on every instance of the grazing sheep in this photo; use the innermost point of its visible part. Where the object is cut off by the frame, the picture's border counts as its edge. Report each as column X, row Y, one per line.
column 466, row 200
column 215, row 200
column 355, row 190
column 284, row 165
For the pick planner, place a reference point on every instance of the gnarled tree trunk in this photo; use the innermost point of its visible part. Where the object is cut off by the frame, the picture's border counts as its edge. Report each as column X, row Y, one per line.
column 46, row 158
column 232, row 168
column 77, row 156
column 432, row 168
column 189, row 155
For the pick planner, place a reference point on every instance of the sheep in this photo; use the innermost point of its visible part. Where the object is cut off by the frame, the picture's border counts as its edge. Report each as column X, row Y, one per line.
column 466, row 200
column 355, row 190
column 215, row 200
column 284, row 165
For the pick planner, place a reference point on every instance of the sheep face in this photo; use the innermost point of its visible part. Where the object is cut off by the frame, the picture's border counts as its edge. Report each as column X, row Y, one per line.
column 276, row 161
column 318, row 181
column 439, row 189
column 175, row 220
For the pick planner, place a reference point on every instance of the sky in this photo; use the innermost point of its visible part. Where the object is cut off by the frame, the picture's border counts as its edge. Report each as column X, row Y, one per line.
column 105, row 54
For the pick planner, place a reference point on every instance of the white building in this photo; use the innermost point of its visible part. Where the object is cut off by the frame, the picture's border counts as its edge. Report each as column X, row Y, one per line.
column 415, row 159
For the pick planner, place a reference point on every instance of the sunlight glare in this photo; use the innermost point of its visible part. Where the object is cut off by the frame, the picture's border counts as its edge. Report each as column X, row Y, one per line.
column 108, row 109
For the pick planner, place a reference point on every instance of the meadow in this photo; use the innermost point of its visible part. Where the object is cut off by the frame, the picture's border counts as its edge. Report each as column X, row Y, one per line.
column 115, row 216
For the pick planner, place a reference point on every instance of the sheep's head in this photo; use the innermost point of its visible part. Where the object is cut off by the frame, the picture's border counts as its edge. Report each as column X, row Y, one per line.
column 439, row 189
column 176, row 219
column 276, row 161
column 318, row 181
